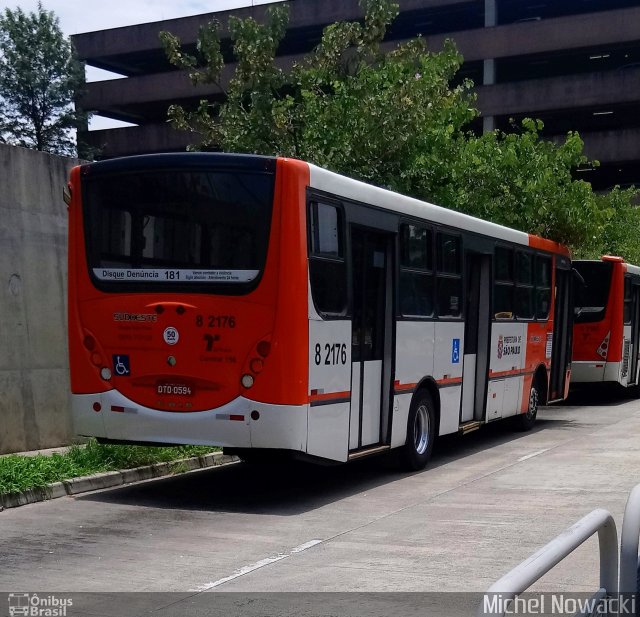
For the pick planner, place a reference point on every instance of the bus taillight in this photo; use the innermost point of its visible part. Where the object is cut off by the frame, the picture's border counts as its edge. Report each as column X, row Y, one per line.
column 263, row 348
column 603, row 350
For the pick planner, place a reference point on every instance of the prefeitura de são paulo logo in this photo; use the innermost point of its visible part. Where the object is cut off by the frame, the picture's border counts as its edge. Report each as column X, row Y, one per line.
column 32, row 604
column 500, row 346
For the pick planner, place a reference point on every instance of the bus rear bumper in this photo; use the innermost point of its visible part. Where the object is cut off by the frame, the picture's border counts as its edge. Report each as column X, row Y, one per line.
column 120, row 419
column 587, row 372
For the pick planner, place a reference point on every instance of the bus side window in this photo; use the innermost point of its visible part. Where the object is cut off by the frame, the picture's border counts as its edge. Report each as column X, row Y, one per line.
column 327, row 267
column 449, row 275
column 543, row 286
column 525, row 307
column 503, row 290
column 416, row 271
column 627, row 300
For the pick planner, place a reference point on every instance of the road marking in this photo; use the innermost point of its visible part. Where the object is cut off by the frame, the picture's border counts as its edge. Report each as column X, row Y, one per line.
column 524, row 458
column 257, row 565
column 305, row 546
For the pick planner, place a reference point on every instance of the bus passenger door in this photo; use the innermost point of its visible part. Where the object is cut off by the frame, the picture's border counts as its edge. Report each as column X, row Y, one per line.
column 562, row 332
column 371, row 284
column 477, row 329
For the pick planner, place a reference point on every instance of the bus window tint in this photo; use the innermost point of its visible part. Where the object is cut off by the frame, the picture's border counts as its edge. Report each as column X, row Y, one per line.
column 327, row 267
column 115, row 237
column 593, row 294
column 525, row 308
column 543, row 286
column 627, row 301
column 449, row 279
column 325, row 231
column 189, row 219
column 448, row 254
column 503, row 292
column 415, row 247
column 416, row 276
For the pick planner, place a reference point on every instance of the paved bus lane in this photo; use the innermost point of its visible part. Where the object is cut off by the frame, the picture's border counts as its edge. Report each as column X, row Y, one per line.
column 486, row 502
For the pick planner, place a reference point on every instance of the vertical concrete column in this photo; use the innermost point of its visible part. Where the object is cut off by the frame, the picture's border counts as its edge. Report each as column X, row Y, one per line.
column 489, row 68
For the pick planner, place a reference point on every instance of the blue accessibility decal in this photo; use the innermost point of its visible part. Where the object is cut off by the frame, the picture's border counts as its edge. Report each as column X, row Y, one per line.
column 121, row 365
column 455, row 351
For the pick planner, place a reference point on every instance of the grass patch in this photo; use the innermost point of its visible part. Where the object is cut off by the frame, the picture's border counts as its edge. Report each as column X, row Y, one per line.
column 18, row 473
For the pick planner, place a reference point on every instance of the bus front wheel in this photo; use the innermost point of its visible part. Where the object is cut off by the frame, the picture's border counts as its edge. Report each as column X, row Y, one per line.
column 421, row 433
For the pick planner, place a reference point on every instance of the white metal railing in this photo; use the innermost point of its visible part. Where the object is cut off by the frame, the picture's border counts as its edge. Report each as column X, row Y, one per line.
column 496, row 601
column 629, row 565
column 530, row 570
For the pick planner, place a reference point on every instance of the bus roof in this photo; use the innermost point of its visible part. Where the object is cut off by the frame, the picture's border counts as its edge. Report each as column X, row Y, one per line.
column 356, row 190
column 630, row 268
column 197, row 159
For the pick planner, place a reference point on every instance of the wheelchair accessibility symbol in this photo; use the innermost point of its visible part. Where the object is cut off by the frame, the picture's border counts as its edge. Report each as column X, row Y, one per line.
column 455, row 351
column 121, row 365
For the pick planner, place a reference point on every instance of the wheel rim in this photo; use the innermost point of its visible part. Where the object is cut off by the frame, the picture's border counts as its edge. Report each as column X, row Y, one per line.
column 533, row 403
column 421, row 429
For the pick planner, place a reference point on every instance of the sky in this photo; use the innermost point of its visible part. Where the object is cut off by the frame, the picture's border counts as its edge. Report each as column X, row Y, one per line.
column 78, row 16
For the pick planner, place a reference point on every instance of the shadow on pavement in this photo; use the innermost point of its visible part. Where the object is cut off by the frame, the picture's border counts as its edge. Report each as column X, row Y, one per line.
column 600, row 394
column 288, row 489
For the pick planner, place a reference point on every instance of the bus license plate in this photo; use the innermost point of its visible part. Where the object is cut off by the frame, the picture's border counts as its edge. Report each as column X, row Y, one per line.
column 175, row 389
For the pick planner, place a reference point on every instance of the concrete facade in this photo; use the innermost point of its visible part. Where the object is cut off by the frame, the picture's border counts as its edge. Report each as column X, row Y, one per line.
column 34, row 373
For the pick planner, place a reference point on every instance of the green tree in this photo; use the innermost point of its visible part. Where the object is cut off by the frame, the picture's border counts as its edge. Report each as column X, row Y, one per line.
column 520, row 180
column 347, row 106
column 393, row 119
column 39, row 77
column 619, row 235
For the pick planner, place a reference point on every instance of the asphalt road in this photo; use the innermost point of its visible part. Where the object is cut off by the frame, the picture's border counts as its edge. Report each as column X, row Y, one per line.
column 485, row 503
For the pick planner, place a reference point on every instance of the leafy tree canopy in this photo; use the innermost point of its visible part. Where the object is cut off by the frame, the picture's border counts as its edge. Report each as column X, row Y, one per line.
column 39, row 77
column 395, row 117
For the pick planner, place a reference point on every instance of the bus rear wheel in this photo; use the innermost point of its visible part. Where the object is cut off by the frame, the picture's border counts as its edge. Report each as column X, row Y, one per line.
column 421, row 433
column 525, row 421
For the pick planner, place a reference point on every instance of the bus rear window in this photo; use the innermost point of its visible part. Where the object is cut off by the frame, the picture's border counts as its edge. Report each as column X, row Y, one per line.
column 168, row 226
column 593, row 294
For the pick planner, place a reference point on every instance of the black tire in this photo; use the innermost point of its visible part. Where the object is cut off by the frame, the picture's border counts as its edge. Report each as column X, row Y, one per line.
column 525, row 421
column 421, row 433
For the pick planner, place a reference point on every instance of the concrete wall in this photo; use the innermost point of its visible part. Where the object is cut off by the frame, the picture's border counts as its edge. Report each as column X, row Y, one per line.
column 34, row 373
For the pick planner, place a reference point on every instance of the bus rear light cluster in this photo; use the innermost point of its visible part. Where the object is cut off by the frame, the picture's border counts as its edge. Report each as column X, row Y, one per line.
column 263, row 348
column 97, row 360
column 256, row 364
column 247, row 381
column 603, row 350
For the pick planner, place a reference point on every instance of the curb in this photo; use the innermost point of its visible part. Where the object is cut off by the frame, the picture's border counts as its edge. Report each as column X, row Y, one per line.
column 110, row 479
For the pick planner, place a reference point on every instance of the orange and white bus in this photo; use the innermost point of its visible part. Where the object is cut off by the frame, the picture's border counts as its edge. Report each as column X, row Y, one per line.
column 607, row 316
column 267, row 304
